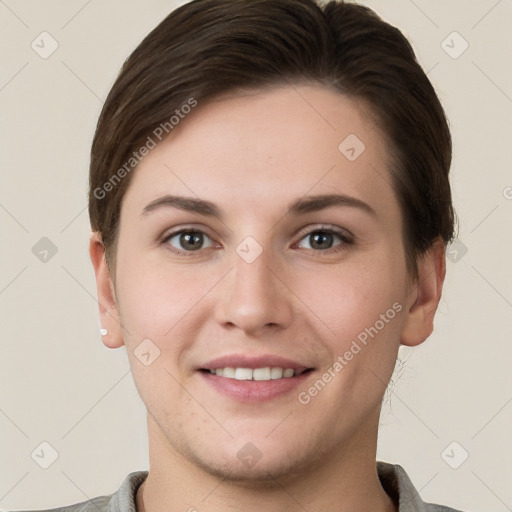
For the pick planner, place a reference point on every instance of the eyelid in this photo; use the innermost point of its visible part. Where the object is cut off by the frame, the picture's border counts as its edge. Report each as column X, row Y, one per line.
column 302, row 233
column 345, row 233
column 186, row 229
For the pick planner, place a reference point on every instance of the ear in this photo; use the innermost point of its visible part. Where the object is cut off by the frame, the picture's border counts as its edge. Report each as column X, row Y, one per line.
column 424, row 296
column 109, row 314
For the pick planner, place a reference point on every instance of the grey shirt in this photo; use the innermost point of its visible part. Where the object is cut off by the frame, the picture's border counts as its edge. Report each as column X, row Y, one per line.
column 393, row 477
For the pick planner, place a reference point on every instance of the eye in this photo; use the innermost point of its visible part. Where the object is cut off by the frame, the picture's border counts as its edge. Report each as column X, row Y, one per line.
column 322, row 240
column 187, row 241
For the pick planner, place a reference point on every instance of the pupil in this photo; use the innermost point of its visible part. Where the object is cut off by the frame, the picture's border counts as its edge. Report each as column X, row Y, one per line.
column 322, row 237
column 187, row 240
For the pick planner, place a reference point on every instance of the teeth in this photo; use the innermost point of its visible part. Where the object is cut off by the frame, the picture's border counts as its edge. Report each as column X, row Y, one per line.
column 261, row 373
column 228, row 372
column 266, row 373
column 276, row 373
column 243, row 374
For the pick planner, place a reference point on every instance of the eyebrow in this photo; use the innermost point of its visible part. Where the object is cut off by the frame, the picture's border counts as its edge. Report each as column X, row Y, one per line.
column 300, row 206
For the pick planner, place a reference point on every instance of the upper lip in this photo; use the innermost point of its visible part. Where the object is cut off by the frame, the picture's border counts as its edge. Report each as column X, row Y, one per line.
column 246, row 361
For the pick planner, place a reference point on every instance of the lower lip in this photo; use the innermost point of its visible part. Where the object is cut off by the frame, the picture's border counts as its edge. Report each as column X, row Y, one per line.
column 254, row 390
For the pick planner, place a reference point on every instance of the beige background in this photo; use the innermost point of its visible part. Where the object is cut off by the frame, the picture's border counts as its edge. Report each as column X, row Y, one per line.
column 59, row 384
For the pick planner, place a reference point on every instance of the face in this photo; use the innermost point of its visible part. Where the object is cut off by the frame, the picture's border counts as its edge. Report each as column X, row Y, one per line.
column 265, row 280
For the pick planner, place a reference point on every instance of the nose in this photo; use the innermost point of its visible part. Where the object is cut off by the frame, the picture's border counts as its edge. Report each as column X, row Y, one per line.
column 253, row 297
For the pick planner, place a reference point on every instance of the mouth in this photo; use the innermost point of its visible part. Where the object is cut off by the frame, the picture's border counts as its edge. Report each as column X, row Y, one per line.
column 256, row 374
column 254, row 379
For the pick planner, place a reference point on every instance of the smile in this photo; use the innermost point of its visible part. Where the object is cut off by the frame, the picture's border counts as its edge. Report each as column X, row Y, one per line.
column 266, row 373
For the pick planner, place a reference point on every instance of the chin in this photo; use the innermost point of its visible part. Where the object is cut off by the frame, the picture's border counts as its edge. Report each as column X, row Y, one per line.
column 266, row 472
column 263, row 462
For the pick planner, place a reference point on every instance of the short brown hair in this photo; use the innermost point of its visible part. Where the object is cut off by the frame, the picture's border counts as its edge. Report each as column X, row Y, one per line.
column 210, row 47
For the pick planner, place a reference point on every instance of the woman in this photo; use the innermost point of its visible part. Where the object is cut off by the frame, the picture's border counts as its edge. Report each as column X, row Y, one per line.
column 270, row 207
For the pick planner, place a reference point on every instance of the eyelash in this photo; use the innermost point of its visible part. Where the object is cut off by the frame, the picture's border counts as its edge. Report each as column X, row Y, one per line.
column 346, row 240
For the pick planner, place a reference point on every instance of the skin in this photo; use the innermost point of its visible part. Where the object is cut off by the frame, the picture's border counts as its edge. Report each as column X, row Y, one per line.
column 252, row 154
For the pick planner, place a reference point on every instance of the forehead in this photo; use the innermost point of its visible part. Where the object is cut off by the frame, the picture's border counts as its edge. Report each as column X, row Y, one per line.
column 277, row 144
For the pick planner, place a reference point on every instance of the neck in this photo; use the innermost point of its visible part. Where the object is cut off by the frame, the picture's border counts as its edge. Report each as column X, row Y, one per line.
column 345, row 481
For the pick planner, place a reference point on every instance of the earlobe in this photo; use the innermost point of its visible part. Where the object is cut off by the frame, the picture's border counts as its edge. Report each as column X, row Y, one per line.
column 112, row 335
column 425, row 296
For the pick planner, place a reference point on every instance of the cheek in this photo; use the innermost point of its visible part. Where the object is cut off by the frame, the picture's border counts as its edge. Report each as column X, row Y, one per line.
column 361, row 312
column 349, row 298
column 163, row 302
column 148, row 293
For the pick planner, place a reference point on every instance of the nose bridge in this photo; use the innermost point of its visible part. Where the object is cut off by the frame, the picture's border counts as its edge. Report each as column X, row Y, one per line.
column 252, row 296
column 253, row 271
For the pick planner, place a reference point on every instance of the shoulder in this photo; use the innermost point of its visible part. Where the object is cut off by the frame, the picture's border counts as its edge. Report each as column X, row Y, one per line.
column 122, row 500
column 398, row 485
column 98, row 504
column 431, row 507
